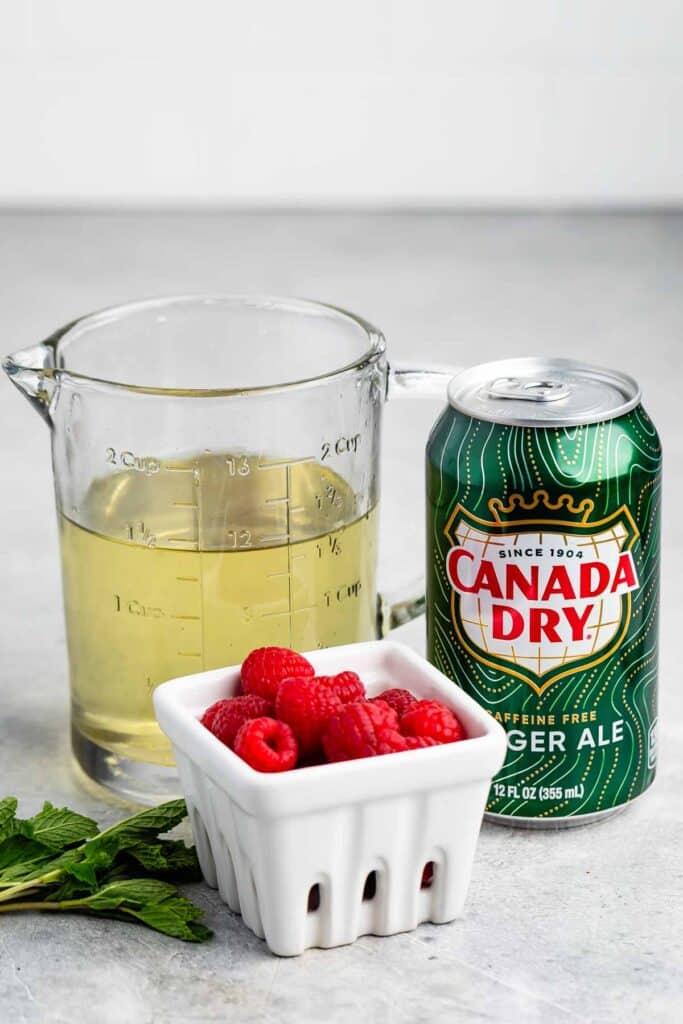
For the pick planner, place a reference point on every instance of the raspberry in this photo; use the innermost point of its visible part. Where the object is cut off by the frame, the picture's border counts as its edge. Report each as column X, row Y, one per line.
column 264, row 669
column 400, row 742
column 225, row 717
column 306, row 704
column 267, row 745
column 362, row 729
column 211, row 712
column 427, row 875
column 430, row 719
column 347, row 685
column 417, row 742
column 383, row 704
column 399, row 700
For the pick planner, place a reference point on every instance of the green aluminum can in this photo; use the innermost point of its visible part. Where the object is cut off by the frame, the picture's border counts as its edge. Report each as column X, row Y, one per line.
column 543, row 536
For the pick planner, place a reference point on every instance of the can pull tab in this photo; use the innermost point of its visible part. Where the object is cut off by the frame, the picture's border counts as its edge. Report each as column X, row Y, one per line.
column 528, row 389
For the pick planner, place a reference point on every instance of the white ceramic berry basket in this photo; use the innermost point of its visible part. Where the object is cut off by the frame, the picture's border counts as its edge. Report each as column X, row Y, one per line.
column 266, row 841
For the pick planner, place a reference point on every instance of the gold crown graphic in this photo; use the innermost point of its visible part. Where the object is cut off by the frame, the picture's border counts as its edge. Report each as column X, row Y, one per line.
column 564, row 503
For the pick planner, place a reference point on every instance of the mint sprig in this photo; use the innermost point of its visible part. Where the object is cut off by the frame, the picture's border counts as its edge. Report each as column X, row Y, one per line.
column 8, row 810
column 59, row 860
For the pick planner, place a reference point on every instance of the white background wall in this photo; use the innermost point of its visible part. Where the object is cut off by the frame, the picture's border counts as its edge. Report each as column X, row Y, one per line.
column 316, row 101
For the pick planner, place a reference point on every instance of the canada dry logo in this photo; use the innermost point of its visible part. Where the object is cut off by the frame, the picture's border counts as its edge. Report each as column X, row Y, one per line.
column 541, row 590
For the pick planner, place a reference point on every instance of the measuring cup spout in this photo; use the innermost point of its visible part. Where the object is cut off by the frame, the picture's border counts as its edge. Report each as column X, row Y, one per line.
column 32, row 371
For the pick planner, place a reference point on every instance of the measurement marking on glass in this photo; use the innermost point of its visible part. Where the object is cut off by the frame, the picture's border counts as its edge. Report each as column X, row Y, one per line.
column 185, row 504
column 177, row 468
column 187, row 579
column 290, row 612
column 286, row 572
column 183, row 540
column 284, row 501
column 188, row 618
column 189, row 654
column 285, row 463
column 279, row 537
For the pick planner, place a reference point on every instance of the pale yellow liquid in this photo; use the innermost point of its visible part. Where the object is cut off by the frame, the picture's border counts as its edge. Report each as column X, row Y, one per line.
column 192, row 566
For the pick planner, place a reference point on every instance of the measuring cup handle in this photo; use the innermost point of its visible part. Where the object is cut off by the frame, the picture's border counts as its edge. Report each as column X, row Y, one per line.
column 405, row 602
column 429, row 381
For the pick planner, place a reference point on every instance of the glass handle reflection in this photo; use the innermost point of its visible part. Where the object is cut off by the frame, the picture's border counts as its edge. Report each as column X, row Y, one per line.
column 430, row 381
column 399, row 605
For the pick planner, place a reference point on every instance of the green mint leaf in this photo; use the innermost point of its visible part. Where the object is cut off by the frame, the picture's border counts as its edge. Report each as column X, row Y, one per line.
column 183, row 908
column 171, row 919
column 100, row 854
column 8, row 810
column 56, row 860
column 118, row 872
column 19, row 853
column 150, row 856
column 169, row 858
column 58, row 827
column 182, row 860
column 70, row 889
column 35, row 870
column 135, row 891
column 84, row 872
column 40, row 872
column 145, row 825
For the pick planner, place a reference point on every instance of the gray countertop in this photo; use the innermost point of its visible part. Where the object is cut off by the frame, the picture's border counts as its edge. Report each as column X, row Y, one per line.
column 581, row 925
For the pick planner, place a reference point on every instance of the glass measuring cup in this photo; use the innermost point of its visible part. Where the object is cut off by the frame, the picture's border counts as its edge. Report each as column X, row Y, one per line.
column 216, row 480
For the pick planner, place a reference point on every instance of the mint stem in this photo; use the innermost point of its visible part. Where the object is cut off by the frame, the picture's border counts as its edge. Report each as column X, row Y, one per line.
column 33, row 883
column 39, row 905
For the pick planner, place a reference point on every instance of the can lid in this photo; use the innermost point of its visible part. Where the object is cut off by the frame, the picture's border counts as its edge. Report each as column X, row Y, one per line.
column 536, row 391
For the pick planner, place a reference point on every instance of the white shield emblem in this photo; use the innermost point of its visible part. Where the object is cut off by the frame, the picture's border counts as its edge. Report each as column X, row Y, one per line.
column 540, row 596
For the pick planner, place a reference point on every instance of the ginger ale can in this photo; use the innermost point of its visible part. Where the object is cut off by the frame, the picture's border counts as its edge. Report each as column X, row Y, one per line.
column 543, row 537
